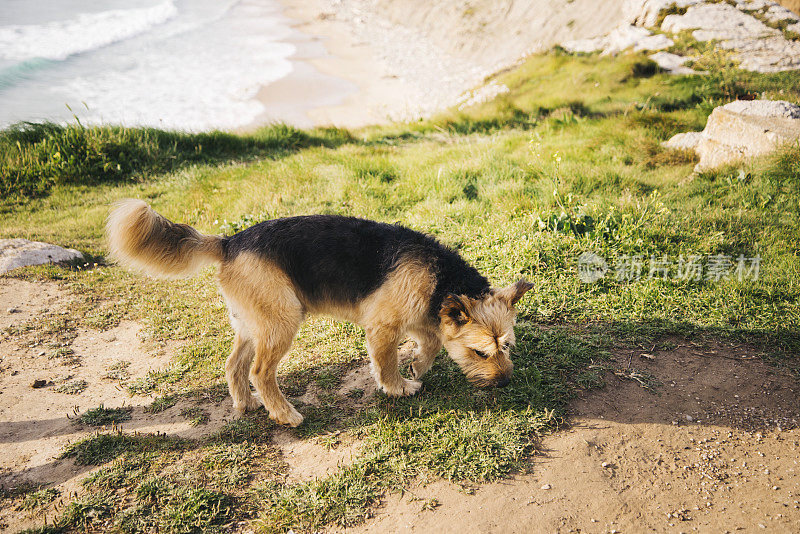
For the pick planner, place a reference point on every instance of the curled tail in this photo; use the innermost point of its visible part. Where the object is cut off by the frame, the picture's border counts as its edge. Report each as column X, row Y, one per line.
column 141, row 238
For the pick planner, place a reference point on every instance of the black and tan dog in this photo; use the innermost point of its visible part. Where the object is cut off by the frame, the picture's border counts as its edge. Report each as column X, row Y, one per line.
column 393, row 281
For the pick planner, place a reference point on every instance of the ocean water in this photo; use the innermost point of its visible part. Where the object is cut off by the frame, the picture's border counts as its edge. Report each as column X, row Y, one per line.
column 179, row 64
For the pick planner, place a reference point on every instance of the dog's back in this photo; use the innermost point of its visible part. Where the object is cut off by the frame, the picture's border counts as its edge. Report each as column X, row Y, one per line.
column 341, row 260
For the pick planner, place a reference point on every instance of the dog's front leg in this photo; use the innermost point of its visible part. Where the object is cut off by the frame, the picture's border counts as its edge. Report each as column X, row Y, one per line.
column 237, row 370
column 428, row 346
column 382, row 347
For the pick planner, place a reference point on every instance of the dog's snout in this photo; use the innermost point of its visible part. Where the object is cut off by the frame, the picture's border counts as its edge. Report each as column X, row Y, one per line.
column 503, row 381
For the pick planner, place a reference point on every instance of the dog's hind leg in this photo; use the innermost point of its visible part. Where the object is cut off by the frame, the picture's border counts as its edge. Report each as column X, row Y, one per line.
column 428, row 346
column 382, row 347
column 266, row 314
column 237, row 371
column 279, row 320
column 269, row 350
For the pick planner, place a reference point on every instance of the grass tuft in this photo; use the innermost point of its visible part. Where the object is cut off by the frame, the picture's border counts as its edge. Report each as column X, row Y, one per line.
column 101, row 416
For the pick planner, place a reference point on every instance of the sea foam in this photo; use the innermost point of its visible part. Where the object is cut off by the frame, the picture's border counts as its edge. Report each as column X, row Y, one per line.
column 181, row 64
column 87, row 31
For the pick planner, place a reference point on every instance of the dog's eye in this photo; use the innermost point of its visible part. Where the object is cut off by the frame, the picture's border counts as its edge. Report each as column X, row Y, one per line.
column 482, row 354
column 506, row 344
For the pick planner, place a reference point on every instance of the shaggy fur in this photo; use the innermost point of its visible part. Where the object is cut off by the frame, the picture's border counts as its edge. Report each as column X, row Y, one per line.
column 393, row 281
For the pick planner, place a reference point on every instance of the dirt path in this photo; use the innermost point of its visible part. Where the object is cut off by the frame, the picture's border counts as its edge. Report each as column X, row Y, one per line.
column 73, row 370
column 716, row 448
column 713, row 447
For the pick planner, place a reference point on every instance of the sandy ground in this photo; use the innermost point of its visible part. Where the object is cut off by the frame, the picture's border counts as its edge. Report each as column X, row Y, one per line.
column 713, row 447
column 37, row 423
column 362, row 62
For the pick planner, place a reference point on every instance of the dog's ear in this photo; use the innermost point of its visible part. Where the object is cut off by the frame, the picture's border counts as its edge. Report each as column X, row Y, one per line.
column 456, row 309
column 511, row 294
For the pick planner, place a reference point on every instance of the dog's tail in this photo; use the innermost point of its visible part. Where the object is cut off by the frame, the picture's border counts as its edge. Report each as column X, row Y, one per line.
column 140, row 238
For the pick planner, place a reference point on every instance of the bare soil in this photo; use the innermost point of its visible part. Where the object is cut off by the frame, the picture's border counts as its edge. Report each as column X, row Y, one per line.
column 712, row 446
column 715, row 447
column 36, row 423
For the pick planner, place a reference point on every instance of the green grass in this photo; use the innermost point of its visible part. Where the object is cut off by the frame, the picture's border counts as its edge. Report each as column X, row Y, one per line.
column 102, row 416
column 162, row 403
column 195, row 415
column 567, row 162
column 37, row 156
column 38, row 499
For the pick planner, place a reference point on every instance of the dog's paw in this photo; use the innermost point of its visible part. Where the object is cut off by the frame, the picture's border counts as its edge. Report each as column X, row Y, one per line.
column 287, row 416
column 250, row 403
column 406, row 388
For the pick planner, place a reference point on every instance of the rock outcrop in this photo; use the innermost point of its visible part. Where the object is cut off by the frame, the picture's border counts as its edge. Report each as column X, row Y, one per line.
column 619, row 39
column 740, row 130
column 760, row 48
column 16, row 253
column 762, row 35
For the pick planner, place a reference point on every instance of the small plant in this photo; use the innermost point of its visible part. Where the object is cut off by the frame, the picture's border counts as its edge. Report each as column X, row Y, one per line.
column 82, row 513
column 252, row 428
column 103, row 447
column 162, row 403
column 245, row 221
column 195, row 415
column 101, row 416
column 153, row 379
column 39, row 498
column 73, row 387
column 66, row 355
column 118, row 371
column 327, row 378
column 355, row 393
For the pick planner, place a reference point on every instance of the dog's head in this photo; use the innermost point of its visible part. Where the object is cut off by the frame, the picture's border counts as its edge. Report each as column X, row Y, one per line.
column 479, row 333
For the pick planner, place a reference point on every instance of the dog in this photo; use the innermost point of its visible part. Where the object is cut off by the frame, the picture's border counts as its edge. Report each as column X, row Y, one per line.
column 393, row 281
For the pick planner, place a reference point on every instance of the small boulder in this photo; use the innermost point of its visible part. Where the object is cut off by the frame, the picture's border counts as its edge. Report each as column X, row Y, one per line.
column 745, row 129
column 621, row 38
column 672, row 63
column 684, row 141
column 16, row 253
column 645, row 12
column 740, row 130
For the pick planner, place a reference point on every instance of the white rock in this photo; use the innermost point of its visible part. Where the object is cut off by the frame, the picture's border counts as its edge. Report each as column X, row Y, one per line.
column 717, row 21
column 546, row 487
column 658, row 41
column 645, row 12
column 619, row 39
column 16, row 253
column 584, row 46
column 624, row 37
column 482, row 94
column 740, row 130
column 753, row 5
column 745, row 129
column 764, row 108
column 684, row 141
column 766, row 55
column 795, row 28
column 759, row 47
column 778, row 13
column 672, row 63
